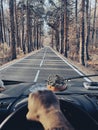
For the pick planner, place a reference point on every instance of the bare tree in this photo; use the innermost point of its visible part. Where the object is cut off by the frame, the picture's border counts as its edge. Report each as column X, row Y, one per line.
column 77, row 29
column 94, row 22
column 23, row 28
column 87, row 28
column 1, row 32
column 62, row 29
column 82, row 33
column 65, row 28
column 3, row 21
column 12, row 25
column 17, row 35
column 95, row 26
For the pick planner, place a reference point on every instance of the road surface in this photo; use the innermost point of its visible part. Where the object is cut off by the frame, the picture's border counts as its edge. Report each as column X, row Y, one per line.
column 38, row 66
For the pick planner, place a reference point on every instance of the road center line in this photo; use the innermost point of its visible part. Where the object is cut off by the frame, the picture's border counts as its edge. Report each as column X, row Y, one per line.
column 43, row 58
column 37, row 74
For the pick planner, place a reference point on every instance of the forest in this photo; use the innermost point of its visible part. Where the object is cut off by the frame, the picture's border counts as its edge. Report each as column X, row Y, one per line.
column 72, row 28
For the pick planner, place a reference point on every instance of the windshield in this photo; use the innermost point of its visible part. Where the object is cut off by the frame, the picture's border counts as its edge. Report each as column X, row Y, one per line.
column 42, row 38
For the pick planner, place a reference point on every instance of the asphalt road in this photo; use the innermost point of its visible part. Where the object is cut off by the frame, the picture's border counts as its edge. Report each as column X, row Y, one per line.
column 38, row 66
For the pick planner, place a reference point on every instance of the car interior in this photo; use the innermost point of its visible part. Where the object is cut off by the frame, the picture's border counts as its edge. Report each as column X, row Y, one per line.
column 78, row 118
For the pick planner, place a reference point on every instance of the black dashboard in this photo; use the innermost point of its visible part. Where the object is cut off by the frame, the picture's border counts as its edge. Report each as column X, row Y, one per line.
column 80, row 110
column 79, row 106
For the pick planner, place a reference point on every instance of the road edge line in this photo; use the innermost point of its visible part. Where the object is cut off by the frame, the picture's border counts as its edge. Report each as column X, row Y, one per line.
column 72, row 66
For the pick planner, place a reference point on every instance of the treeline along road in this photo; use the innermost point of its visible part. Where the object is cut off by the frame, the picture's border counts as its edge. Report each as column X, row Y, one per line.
column 38, row 66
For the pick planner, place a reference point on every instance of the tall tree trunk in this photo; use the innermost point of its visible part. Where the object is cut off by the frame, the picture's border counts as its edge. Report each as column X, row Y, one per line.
column 95, row 31
column 57, row 39
column 88, row 28
column 77, row 30
column 94, row 18
column 37, row 35
column 40, row 44
column 65, row 29
column 62, row 29
column 82, row 33
column 52, row 38
column 9, row 37
column 3, row 22
column 17, row 27
column 23, row 39
column 12, row 24
column 34, row 33
column 1, row 32
column 29, row 28
column 30, row 32
column 28, row 19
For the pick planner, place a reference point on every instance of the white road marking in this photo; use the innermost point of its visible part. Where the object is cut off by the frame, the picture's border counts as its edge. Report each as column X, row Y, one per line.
column 37, row 74
column 87, row 79
column 41, row 63
column 43, row 58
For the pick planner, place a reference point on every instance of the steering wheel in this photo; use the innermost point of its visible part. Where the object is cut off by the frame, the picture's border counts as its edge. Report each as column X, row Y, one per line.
column 76, row 116
column 17, row 121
